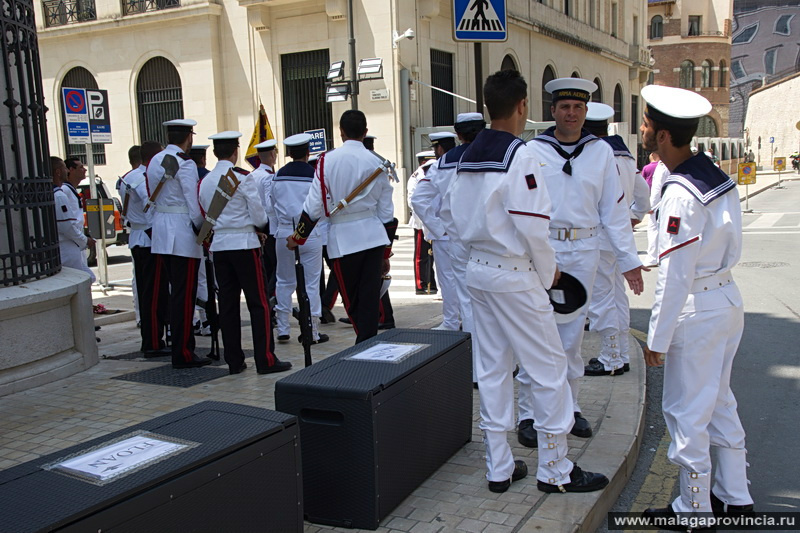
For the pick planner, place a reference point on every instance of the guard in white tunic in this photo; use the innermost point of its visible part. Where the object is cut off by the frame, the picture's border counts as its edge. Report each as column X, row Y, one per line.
column 510, row 267
column 236, row 250
column 583, row 182
column 609, row 309
column 151, row 278
column 201, row 323
column 697, row 317
column 289, row 190
column 424, row 278
column 172, row 180
column 428, row 199
column 268, row 155
column 442, row 143
column 361, row 232
column 72, row 242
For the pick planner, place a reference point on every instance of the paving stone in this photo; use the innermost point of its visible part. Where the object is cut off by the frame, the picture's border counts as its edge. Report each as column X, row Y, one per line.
column 474, row 526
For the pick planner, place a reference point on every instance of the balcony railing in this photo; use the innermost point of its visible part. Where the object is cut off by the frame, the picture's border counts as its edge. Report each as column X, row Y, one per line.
column 695, row 33
column 61, row 12
column 132, row 7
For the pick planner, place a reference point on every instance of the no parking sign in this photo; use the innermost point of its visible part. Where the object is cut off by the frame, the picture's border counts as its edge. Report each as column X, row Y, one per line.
column 76, row 115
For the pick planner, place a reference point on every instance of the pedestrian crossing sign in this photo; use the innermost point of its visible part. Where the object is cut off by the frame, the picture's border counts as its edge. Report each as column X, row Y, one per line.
column 480, row 20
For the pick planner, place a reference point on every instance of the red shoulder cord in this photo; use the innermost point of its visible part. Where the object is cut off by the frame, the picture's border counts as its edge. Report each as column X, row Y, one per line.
column 321, row 174
column 202, row 211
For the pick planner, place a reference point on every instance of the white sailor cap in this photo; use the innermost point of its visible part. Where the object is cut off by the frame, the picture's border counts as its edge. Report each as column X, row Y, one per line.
column 180, row 124
column 439, row 135
column 570, row 89
column 671, row 105
column 694, row 149
column 198, row 148
column 226, row 137
column 425, row 153
column 266, row 146
column 370, row 137
column 468, row 117
column 297, row 140
column 597, row 112
column 313, row 157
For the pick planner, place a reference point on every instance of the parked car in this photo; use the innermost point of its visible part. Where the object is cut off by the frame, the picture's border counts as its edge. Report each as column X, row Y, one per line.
column 120, row 229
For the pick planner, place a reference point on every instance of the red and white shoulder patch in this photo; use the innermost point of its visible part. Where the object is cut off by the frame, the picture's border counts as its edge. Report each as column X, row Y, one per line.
column 530, row 179
column 673, row 225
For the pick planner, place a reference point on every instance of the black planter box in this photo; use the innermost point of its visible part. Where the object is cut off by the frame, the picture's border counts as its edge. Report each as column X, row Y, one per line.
column 240, row 474
column 372, row 432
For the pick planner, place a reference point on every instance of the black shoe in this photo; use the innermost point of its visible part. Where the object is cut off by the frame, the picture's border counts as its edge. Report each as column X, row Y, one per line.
column 161, row 352
column 283, row 339
column 666, row 519
column 195, row 363
column 526, row 435
column 625, row 367
column 598, row 369
column 346, row 320
column 279, row 366
column 296, row 313
column 322, row 338
column 237, row 370
column 719, row 508
column 581, row 428
column 580, row 481
column 386, row 325
column 515, row 372
column 97, row 328
column 327, row 316
column 520, row 471
column 475, row 385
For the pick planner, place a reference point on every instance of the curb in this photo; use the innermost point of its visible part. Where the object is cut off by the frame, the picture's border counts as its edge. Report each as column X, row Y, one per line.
column 116, row 318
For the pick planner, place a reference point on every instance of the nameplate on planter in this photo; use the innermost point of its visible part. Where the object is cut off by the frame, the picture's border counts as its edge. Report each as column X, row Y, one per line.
column 120, row 457
column 388, row 352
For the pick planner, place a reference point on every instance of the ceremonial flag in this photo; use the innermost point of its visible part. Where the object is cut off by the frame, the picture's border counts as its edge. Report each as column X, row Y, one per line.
column 261, row 132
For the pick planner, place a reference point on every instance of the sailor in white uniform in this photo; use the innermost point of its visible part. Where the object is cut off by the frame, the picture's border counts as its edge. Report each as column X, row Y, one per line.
column 263, row 175
column 697, row 318
column 176, row 220
column 660, row 174
column 72, row 242
column 583, row 182
column 151, row 278
column 426, row 207
column 201, row 324
column 360, row 235
column 510, row 267
column 609, row 310
column 424, row 278
column 236, row 250
column 289, row 190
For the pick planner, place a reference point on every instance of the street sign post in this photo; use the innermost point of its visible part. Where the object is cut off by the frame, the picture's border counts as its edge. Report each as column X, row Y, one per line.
column 779, row 164
column 88, row 121
column 480, row 20
column 317, row 144
column 747, row 177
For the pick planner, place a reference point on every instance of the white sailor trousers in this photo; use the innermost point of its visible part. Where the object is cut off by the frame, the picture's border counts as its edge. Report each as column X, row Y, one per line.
column 519, row 326
column 700, row 408
column 458, row 260
column 445, row 277
column 609, row 309
column 74, row 257
column 311, row 258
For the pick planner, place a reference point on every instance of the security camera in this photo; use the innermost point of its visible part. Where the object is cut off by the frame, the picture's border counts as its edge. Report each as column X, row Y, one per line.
column 409, row 34
column 397, row 37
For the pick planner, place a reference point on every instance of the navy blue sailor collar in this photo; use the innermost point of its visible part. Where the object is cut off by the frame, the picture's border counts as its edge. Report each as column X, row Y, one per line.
column 296, row 169
column 701, row 177
column 549, row 136
column 491, row 151
column 618, row 146
column 452, row 157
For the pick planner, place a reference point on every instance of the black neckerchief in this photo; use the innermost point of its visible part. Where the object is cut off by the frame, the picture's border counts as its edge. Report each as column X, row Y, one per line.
column 548, row 136
column 74, row 191
column 701, row 177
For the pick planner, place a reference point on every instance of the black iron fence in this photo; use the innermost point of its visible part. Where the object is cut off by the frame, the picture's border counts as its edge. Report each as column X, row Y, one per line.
column 61, row 12
column 132, row 7
column 28, row 236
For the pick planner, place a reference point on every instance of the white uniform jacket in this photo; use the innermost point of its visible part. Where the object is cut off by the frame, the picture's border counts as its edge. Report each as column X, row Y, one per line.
column 243, row 214
column 591, row 196
column 176, row 208
column 360, row 225
column 289, row 191
column 415, row 222
column 426, row 200
column 69, row 216
column 700, row 241
column 500, row 211
column 263, row 176
column 660, row 174
column 134, row 183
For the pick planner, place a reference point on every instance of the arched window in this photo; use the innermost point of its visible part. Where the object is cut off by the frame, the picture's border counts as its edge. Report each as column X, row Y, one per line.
column 657, row 27
column 80, row 78
column 723, row 73
column 160, row 98
column 707, row 127
column 575, row 74
column 687, row 75
column 597, row 96
column 547, row 99
column 508, row 63
column 618, row 103
column 705, row 74
column 724, row 152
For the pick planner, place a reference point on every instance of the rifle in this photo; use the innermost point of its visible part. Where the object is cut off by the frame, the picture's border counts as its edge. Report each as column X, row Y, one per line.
column 211, row 307
column 304, row 305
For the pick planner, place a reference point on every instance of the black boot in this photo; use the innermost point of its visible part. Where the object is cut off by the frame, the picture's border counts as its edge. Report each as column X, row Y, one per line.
column 580, row 481
column 520, row 471
column 581, row 428
column 526, row 435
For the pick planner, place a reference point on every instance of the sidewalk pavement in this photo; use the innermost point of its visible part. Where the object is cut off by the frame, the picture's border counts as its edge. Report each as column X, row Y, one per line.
column 46, row 419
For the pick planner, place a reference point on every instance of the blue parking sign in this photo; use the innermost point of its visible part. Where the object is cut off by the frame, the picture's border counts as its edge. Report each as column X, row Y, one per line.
column 317, row 143
column 480, row 20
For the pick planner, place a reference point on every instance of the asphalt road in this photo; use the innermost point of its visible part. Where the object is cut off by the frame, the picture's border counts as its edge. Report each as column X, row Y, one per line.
column 766, row 371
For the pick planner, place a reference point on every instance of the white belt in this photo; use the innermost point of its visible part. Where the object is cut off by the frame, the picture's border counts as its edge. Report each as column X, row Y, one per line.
column 709, row 283
column 244, row 229
column 572, row 234
column 140, row 227
column 519, row 264
column 348, row 217
column 172, row 209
